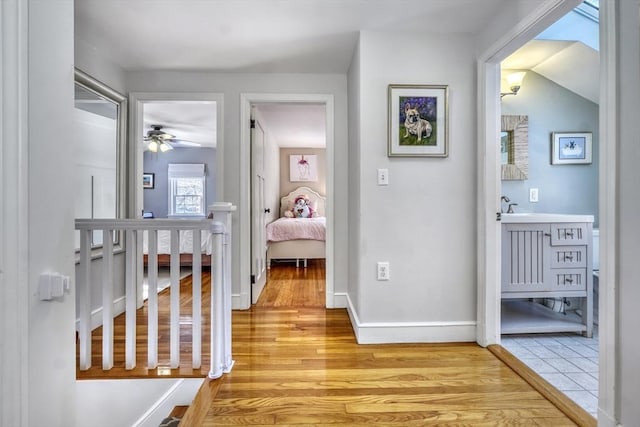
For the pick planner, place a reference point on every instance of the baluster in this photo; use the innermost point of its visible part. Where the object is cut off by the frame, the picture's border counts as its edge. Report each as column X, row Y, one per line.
column 152, row 301
column 84, row 299
column 174, row 331
column 130, row 299
column 217, row 306
column 107, row 299
column 196, row 274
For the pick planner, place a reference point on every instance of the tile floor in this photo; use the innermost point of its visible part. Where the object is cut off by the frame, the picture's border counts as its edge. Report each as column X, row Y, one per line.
column 566, row 360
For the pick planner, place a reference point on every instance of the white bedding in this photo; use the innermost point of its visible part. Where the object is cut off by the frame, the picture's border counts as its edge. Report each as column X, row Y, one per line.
column 284, row 229
column 186, row 242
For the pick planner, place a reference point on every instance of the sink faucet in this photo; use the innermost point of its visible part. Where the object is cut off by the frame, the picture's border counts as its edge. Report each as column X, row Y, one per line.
column 503, row 199
column 510, row 209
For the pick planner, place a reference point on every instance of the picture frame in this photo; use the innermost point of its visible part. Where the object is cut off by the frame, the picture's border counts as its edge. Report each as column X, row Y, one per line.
column 571, row 148
column 148, row 180
column 418, row 122
column 303, row 168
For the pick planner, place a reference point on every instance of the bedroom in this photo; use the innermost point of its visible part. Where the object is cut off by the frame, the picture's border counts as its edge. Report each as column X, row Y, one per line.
column 288, row 160
column 289, row 132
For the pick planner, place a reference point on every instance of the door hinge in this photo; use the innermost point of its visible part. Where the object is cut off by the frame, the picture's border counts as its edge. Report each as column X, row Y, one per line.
column 253, row 279
column 252, row 124
column 498, row 216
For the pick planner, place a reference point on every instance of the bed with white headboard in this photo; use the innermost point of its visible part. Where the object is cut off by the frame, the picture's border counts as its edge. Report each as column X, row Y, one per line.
column 298, row 238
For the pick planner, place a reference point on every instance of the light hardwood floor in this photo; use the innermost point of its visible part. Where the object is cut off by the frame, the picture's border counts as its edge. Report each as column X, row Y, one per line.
column 302, row 366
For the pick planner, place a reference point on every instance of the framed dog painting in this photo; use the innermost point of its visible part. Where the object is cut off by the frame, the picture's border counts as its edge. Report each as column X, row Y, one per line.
column 418, row 120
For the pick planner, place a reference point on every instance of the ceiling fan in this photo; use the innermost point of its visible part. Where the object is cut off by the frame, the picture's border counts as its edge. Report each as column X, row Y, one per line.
column 158, row 139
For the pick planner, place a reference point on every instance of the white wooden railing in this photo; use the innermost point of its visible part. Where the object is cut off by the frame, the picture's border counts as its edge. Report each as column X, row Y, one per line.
column 220, row 228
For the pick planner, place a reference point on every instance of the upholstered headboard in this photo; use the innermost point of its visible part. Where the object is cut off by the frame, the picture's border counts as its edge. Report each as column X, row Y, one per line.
column 318, row 202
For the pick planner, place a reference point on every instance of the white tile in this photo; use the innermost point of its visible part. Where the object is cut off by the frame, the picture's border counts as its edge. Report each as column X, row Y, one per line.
column 583, row 350
column 584, row 380
column 563, row 365
column 521, row 352
column 544, row 352
column 539, row 366
column 584, row 364
column 562, row 351
column 561, row 381
column 585, row 399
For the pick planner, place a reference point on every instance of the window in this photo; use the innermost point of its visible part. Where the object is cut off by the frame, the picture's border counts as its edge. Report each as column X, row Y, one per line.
column 186, row 190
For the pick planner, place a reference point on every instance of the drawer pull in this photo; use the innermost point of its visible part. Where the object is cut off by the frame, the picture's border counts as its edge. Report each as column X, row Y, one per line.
column 568, row 279
column 568, row 233
column 547, row 234
column 568, row 257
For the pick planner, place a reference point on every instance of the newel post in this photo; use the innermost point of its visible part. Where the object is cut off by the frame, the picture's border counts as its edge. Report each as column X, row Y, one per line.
column 222, row 214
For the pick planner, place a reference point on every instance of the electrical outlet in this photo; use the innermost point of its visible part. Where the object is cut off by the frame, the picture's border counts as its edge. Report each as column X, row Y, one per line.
column 383, row 271
column 533, row 195
column 383, row 176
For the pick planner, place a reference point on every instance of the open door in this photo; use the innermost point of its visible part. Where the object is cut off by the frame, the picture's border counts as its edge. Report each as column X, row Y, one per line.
column 258, row 211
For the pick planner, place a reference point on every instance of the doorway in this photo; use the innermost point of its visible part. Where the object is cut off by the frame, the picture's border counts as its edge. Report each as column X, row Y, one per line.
column 489, row 70
column 265, row 107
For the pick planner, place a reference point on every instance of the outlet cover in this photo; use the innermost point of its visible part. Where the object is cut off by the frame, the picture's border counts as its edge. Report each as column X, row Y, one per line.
column 533, row 195
column 383, row 270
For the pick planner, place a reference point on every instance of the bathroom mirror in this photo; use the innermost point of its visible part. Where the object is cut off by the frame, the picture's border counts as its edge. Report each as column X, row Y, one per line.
column 99, row 137
column 514, row 147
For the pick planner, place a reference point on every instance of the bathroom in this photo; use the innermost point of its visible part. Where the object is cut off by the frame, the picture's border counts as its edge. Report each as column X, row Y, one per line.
column 558, row 100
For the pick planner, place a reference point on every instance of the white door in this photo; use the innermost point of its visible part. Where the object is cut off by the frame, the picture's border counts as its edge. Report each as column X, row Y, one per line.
column 258, row 226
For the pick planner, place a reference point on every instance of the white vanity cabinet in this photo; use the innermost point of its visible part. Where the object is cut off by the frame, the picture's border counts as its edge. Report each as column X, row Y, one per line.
column 546, row 256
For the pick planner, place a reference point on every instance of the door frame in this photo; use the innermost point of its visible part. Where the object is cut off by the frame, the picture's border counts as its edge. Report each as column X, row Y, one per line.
column 246, row 100
column 488, row 246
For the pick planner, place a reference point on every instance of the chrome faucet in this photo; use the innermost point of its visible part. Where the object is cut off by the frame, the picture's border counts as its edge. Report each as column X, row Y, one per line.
column 503, row 199
column 510, row 209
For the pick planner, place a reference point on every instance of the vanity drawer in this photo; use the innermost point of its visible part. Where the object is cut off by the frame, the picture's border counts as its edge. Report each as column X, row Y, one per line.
column 569, row 233
column 568, row 256
column 568, row 279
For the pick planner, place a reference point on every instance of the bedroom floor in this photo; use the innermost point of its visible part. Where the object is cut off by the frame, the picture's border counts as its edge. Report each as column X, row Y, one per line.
column 288, row 286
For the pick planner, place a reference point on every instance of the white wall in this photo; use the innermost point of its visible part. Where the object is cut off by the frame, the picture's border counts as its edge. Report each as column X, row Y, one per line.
column 96, row 64
column 232, row 85
column 50, row 197
column 423, row 222
column 354, row 81
column 628, row 230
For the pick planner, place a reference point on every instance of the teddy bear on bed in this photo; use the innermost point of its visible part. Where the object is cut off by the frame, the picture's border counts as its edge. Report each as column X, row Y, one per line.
column 301, row 208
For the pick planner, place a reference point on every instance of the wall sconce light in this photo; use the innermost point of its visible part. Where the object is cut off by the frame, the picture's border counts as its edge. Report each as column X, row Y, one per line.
column 514, row 80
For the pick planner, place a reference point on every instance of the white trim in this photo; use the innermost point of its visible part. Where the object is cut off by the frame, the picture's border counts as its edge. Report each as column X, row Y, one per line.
column 237, row 301
column 14, row 214
column 136, row 132
column 488, row 261
column 182, row 392
column 410, row 332
column 246, row 99
column 340, row 300
column 608, row 188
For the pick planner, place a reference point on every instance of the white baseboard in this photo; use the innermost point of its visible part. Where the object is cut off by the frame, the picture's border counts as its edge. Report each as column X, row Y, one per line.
column 119, row 307
column 410, row 332
column 181, row 393
column 340, row 300
column 605, row 420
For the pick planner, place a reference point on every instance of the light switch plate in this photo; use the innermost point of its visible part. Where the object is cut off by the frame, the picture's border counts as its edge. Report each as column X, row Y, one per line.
column 533, row 195
column 383, row 176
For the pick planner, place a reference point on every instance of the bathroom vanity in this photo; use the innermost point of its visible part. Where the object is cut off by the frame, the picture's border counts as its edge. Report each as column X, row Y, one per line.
column 546, row 256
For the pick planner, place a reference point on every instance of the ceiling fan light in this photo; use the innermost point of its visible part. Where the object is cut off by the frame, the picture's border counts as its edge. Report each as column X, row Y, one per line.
column 165, row 146
column 153, row 146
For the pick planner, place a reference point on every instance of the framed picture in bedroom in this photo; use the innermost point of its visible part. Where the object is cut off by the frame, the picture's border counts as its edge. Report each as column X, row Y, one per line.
column 148, row 180
column 418, row 121
column 570, row 148
column 303, row 168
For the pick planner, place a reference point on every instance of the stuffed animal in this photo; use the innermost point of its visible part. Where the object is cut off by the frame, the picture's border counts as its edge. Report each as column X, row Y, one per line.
column 302, row 207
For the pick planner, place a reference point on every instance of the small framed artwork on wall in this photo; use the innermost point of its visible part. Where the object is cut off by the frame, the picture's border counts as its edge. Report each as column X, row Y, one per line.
column 570, row 148
column 148, row 180
column 303, row 167
column 418, row 121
